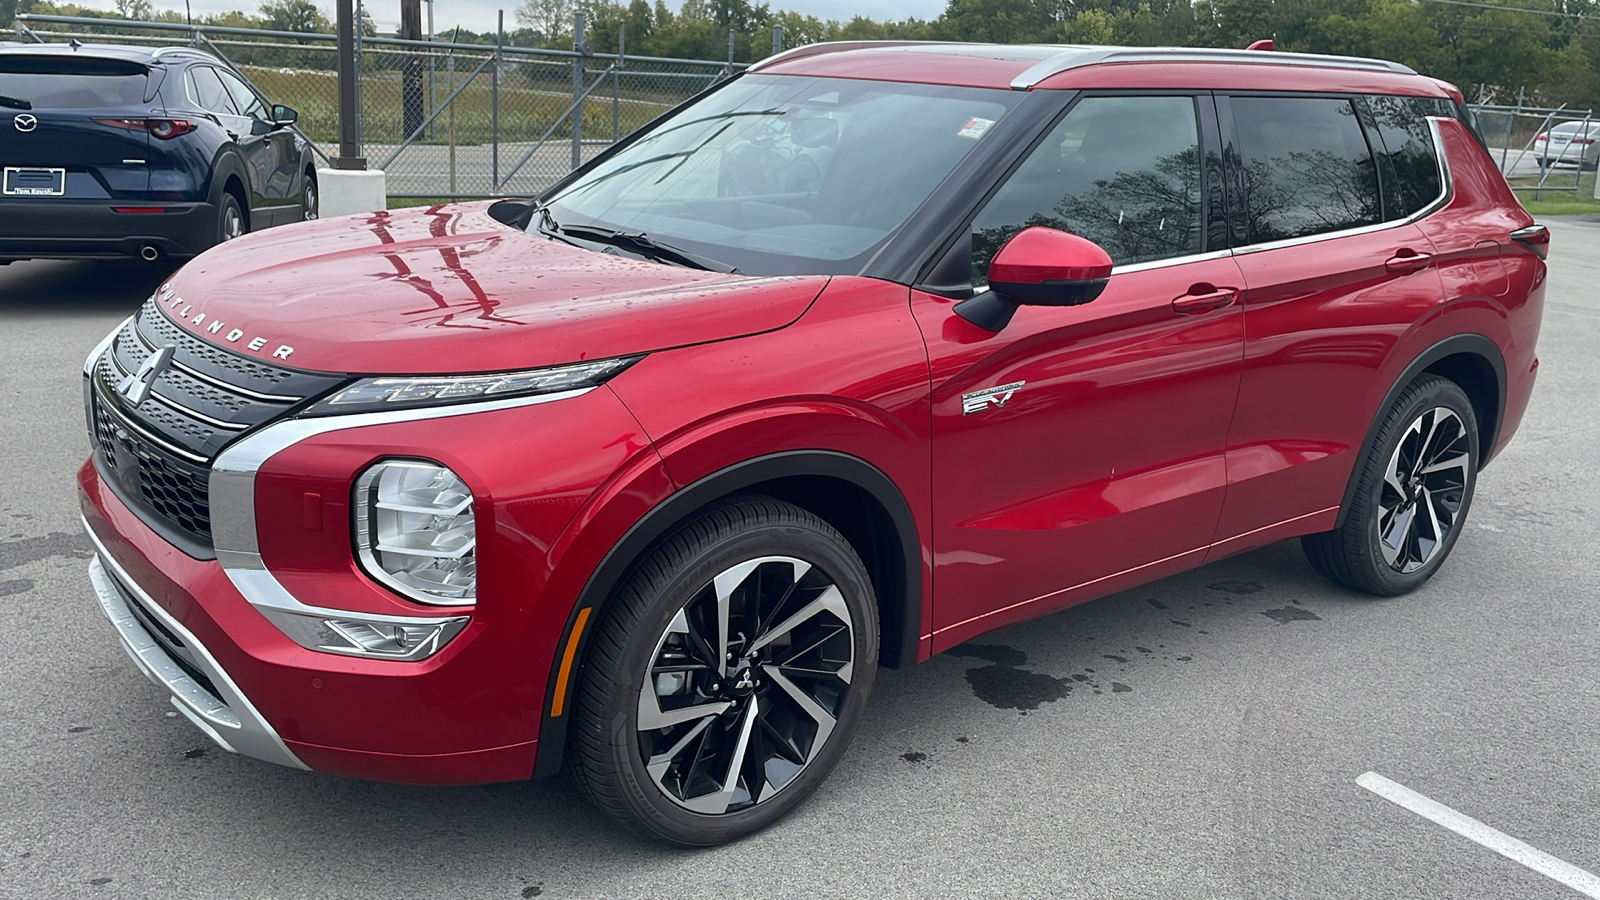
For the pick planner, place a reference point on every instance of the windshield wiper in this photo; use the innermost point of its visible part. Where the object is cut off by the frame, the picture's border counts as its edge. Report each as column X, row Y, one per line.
column 637, row 242
column 14, row 103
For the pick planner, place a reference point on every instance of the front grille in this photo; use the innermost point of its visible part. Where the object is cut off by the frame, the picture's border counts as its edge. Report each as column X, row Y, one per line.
column 158, row 454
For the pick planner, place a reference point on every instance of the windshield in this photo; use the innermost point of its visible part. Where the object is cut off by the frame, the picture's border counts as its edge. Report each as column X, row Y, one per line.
column 779, row 175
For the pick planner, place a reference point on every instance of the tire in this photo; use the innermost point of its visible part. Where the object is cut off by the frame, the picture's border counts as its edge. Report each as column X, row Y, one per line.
column 309, row 199
column 788, row 579
column 1412, row 496
column 231, row 222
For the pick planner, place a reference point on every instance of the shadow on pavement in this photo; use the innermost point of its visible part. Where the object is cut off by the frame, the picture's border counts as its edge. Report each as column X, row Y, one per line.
column 75, row 287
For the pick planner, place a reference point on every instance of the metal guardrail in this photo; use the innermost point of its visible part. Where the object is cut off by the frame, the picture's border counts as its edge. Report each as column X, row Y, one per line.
column 437, row 116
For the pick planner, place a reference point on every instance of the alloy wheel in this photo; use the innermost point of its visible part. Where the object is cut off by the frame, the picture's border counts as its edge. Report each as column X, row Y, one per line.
column 1423, row 489
column 745, row 685
column 309, row 203
column 232, row 223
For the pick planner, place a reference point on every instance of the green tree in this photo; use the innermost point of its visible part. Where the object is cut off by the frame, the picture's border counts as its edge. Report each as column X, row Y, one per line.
column 293, row 15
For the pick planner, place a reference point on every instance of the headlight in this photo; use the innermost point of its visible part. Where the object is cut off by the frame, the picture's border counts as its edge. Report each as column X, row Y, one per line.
column 415, row 531
column 371, row 394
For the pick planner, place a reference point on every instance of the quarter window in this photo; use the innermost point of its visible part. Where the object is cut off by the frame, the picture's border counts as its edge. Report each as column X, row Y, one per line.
column 1306, row 167
column 1407, row 141
column 1123, row 172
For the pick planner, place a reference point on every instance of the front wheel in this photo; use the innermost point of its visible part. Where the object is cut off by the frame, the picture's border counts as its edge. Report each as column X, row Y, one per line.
column 308, row 199
column 728, row 676
column 1412, row 496
column 230, row 219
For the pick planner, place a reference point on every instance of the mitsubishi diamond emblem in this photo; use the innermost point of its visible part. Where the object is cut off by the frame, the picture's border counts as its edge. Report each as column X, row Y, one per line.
column 136, row 387
column 25, row 122
column 978, row 401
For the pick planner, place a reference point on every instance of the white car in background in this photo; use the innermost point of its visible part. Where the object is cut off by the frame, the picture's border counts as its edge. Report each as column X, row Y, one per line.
column 1569, row 144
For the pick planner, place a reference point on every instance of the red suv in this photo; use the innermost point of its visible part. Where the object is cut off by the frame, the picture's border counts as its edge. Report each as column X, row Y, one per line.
column 855, row 357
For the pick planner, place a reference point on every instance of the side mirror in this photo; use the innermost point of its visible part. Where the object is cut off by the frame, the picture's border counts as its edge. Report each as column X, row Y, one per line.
column 283, row 116
column 1038, row 266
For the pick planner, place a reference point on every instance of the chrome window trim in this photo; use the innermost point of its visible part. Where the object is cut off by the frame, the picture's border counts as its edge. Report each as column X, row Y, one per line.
column 232, row 489
column 1170, row 261
column 253, row 736
column 1437, row 204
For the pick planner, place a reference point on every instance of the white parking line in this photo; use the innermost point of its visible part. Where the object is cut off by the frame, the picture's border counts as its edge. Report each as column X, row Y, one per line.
column 1504, row 844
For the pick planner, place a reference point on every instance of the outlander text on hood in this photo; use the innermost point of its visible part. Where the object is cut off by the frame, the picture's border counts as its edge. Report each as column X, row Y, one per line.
column 857, row 356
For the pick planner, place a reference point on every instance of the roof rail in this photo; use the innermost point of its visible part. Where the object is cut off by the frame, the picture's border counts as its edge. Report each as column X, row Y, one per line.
column 837, row 47
column 1077, row 57
column 1069, row 56
column 178, row 50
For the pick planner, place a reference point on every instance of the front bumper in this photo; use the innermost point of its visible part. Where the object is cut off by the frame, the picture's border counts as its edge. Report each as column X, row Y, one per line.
column 200, row 689
column 57, row 228
column 257, row 693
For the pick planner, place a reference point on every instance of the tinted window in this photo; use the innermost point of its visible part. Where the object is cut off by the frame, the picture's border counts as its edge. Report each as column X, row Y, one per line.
column 1407, row 141
column 1123, row 172
column 57, row 83
column 209, row 92
column 243, row 98
column 1306, row 167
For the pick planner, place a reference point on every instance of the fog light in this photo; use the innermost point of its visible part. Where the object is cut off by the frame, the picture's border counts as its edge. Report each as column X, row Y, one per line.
column 380, row 637
column 415, row 531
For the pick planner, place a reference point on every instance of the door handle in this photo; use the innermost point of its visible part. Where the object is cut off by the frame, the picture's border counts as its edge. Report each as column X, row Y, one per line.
column 1406, row 260
column 1204, row 298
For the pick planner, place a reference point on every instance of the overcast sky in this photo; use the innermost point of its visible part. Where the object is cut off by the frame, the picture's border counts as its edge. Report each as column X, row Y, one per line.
column 479, row 15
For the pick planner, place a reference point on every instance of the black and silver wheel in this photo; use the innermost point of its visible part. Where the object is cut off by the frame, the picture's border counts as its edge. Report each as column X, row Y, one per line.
column 728, row 676
column 1413, row 494
column 308, row 199
column 230, row 219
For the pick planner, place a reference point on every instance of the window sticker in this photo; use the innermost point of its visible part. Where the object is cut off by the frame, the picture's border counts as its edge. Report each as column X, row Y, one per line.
column 975, row 128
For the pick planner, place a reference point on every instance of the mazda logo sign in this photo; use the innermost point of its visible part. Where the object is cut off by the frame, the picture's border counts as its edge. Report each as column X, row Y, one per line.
column 25, row 123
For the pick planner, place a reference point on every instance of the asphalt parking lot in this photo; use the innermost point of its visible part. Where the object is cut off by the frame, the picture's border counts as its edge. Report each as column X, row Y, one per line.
column 1198, row 737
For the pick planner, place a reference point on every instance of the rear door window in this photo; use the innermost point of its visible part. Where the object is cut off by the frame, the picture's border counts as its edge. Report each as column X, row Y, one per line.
column 1123, row 172
column 68, row 83
column 1410, row 160
column 1306, row 167
column 209, row 92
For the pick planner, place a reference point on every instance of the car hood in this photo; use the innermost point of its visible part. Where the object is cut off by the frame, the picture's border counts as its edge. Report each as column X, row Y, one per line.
column 448, row 290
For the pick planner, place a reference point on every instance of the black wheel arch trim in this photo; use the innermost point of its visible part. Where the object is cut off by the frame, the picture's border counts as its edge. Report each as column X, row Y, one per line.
column 658, row 523
column 1473, row 344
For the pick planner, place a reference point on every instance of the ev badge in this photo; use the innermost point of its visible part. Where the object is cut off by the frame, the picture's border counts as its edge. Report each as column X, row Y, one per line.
column 25, row 122
column 978, row 401
column 136, row 387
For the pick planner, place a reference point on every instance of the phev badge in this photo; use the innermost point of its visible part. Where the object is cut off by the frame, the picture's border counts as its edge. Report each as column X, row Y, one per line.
column 978, row 401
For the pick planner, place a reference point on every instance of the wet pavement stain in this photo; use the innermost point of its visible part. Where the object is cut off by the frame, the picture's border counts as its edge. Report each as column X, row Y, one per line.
column 15, row 586
column 1291, row 614
column 1006, row 686
column 77, row 729
column 1156, row 603
column 1184, row 624
column 533, row 890
column 1120, row 659
column 196, row 753
column 1118, row 687
column 1237, row 587
column 64, row 544
column 914, row 757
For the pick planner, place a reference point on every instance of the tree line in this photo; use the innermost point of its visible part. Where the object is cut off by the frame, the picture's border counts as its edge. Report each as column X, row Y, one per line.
column 1492, row 49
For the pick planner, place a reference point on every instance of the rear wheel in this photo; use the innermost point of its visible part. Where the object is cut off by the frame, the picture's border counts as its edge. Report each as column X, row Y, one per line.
column 728, row 676
column 230, row 219
column 309, row 199
column 1412, row 496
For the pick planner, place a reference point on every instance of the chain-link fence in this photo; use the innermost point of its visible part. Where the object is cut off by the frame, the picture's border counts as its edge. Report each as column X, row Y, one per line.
column 442, row 119
column 1540, row 149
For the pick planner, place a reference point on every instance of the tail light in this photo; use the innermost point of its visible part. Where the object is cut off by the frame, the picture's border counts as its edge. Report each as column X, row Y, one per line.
column 164, row 129
column 1535, row 238
column 1583, row 140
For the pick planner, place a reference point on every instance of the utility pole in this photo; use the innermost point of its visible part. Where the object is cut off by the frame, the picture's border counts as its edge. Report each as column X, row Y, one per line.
column 411, row 69
column 349, row 152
